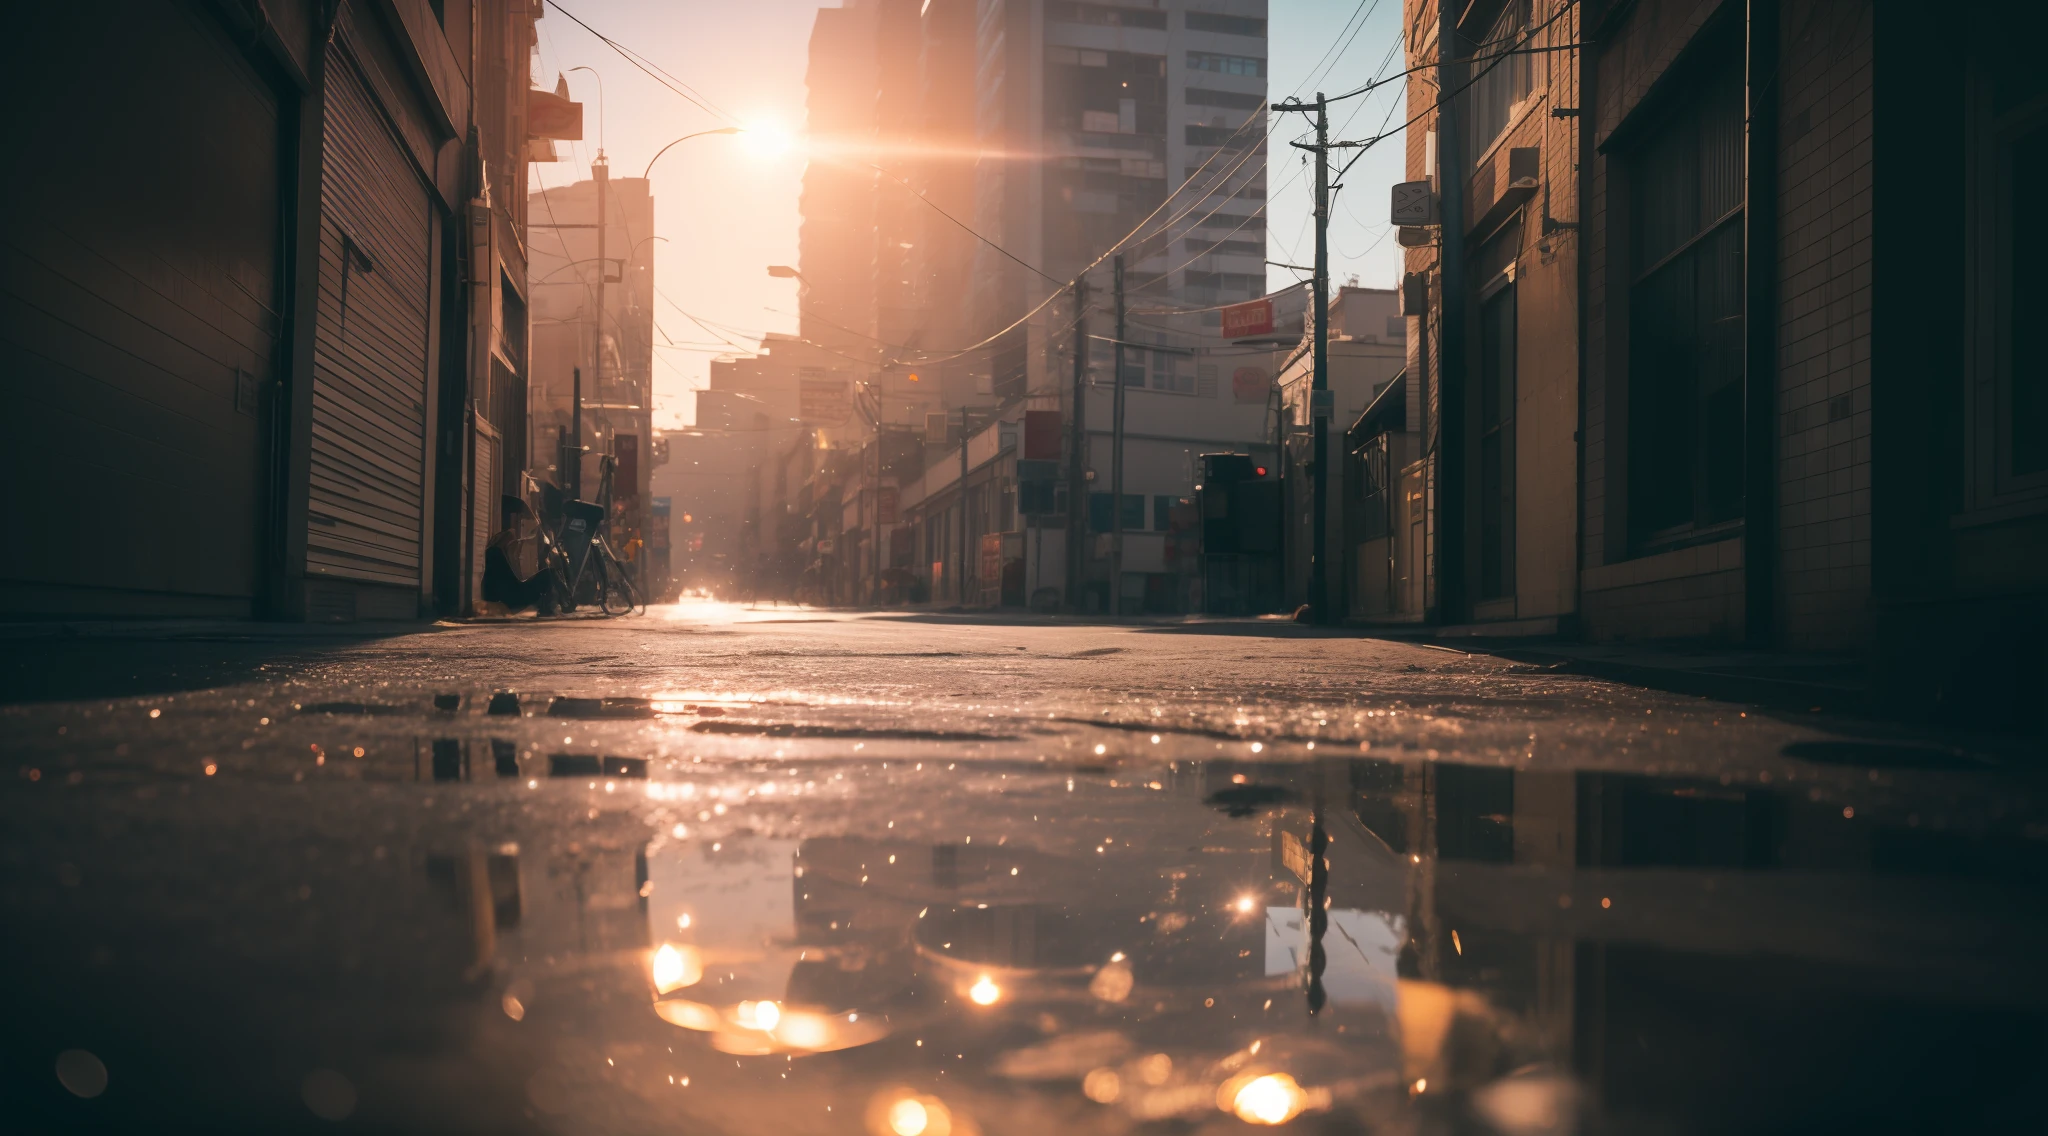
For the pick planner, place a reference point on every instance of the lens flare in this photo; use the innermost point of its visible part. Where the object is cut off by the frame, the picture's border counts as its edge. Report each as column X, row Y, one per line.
column 1272, row 1099
column 676, row 967
column 984, row 991
column 908, row 1118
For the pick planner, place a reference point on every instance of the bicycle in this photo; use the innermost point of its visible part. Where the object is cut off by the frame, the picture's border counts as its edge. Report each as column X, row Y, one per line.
column 577, row 556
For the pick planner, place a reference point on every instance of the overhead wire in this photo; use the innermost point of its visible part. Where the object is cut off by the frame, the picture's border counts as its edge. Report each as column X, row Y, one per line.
column 1321, row 67
column 653, row 71
column 1495, row 60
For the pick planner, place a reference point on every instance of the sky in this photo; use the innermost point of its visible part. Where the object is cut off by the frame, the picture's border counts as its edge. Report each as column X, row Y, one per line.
column 726, row 206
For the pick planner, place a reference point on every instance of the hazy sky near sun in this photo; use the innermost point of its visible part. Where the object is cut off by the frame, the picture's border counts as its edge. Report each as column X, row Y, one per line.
column 726, row 210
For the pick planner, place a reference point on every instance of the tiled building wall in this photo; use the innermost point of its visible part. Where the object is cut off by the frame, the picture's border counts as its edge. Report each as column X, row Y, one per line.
column 1547, row 332
column 1825, row 93
column 1824, row 330
column 1425, row 332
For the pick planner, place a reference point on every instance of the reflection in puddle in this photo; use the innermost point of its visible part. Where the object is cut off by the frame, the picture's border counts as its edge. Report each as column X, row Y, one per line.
column 1350, row 945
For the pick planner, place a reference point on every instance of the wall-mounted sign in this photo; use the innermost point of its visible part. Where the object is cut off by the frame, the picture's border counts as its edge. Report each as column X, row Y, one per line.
column 1414, row 204
column 1250, row 384
column 824, row 402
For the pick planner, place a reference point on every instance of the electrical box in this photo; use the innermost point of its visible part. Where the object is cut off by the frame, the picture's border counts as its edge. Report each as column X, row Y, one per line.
column 1414, row 204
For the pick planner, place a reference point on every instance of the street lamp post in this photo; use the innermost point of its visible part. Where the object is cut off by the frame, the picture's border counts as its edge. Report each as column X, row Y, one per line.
column 686, row 138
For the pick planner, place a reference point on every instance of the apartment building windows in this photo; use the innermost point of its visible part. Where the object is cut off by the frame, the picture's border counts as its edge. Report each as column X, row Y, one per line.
column 1235, row 100
column 1685, row 324
column 1106, row 92
column 1500, row 83
column 1227, row 25
column 1104, row 15
column 1226, row 64
column 1227, row 248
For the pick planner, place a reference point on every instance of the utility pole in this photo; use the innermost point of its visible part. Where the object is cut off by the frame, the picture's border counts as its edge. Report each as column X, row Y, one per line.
column 1319, row 407
column 1077, row 454
column 601, row 174
column 1116, row 454
column 1319, row 390
column 875, row 588
column 961, row 575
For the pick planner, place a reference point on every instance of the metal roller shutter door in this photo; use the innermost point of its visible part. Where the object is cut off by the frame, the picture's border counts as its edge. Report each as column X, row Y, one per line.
column 370, row 360
column 139, row 227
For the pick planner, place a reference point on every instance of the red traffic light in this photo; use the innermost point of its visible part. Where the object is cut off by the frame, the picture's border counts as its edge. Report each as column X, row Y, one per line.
column 1259, row 471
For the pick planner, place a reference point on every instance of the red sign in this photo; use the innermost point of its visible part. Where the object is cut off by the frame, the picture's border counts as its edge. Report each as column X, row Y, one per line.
column 1250, row 384
column 1253, row 318
column 991, row 567
column 1041, row 435
column 885, row 504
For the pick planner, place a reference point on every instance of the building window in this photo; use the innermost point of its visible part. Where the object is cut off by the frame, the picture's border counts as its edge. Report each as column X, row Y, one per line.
column 1686, row 318
column 1173, row 372
column 1228, row 25
column 2008, row 390
column 1500, row 83
column 1226, row 64
column 1104, row 15
column 1237, row 100
column 1227, row 248
column 1245, row 136
column 1100, row 519
column 1162, row 513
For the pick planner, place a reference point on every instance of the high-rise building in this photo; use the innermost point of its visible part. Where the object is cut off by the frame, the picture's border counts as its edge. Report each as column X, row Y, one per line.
column 1089, row 115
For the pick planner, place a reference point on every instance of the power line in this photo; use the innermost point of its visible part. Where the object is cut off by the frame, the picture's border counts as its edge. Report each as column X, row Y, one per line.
column 969, row 229
column 653, row 72
column 1341, row 50
column 1317, row 72
column 1496, row 59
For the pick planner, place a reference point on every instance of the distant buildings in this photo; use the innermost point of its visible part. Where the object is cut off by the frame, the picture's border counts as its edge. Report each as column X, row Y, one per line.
column 597, row 336
column 968, row 159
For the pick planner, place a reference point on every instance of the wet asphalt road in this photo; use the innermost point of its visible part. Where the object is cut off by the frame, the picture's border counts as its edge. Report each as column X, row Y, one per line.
column 727, row 870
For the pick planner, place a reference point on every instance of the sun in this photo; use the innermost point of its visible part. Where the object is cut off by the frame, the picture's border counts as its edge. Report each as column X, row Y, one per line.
column 766, row 138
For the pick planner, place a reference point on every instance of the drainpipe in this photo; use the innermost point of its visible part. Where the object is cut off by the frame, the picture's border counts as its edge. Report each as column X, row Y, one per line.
column 1760, row 328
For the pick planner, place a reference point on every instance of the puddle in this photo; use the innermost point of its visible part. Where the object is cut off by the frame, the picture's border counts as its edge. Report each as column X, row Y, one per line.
column 578, row 942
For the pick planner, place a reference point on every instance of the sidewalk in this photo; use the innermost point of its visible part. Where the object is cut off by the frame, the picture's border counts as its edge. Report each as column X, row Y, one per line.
column 1783, row 680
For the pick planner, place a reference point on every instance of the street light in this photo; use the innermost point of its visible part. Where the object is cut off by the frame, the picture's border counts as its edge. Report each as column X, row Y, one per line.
column 686, row 138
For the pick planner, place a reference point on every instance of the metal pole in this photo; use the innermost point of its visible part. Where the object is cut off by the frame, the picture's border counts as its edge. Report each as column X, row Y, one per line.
column 875, row 580
column 1077, row 454
column 574, row 456
column 961, row 575
column 1116, row 454
column 601, row 173
column 1319, row 398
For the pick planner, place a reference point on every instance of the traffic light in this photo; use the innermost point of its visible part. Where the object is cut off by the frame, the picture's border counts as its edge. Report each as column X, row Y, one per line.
column 1240, row 506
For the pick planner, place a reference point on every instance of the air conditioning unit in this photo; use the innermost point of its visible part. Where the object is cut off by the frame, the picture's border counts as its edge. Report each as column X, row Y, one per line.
column 1525, row 167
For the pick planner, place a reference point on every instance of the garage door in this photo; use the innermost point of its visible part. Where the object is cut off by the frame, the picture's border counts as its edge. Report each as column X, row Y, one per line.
column 139, row 223
column 370, row 378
